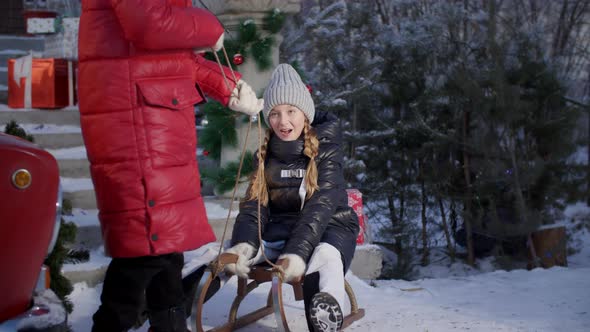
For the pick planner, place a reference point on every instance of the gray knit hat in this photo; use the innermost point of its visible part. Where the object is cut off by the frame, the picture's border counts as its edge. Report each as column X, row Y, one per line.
column 286, row 87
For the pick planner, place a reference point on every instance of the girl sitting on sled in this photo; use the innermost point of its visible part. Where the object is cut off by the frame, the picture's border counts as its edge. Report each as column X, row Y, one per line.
column 305, row 219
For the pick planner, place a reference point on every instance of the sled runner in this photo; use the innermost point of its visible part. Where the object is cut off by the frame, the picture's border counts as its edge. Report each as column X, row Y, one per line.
column 258, row 275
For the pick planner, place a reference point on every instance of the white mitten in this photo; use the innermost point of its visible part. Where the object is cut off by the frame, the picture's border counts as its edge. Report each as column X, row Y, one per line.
column 294, row 267
column 245, row 251
column 243, row 99
column 218, row 45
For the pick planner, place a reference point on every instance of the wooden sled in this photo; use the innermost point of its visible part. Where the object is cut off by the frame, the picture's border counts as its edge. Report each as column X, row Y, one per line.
column 274, row 304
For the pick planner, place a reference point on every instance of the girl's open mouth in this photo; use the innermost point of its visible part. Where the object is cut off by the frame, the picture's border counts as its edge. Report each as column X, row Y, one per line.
column 286, row 131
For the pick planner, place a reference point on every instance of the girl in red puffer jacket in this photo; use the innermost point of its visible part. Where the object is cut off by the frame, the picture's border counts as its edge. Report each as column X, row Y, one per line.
column 140, row 75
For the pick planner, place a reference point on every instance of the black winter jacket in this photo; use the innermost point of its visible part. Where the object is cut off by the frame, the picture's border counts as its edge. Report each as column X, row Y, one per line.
column 325, row 217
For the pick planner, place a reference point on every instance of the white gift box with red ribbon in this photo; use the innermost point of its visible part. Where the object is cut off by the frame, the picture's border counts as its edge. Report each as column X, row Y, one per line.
column 41, row 25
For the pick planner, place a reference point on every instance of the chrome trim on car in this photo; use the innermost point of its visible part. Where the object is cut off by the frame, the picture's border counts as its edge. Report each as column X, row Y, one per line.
column 58, row 214
column 41, row 280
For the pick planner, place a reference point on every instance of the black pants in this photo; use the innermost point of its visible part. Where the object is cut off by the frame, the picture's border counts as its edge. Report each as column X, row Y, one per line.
column 128, row 281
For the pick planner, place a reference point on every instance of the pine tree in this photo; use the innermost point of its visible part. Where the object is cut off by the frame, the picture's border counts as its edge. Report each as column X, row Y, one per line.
column 454, row 114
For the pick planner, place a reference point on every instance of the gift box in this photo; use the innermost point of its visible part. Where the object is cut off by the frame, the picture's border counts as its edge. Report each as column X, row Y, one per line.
column 40, row 25
column 355, row 201
column 64, row 44
column 39, row 21
column 40, row 83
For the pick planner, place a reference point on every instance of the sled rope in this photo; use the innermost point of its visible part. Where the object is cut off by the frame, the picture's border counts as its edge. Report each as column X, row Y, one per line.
column 242, row 155
column 223, row 72
column 238, row 175
column 229, row 65
column 233, row 195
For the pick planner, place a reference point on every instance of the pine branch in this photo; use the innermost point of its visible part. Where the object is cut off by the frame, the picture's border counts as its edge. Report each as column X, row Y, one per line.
column 12, row 128
column 343, row 94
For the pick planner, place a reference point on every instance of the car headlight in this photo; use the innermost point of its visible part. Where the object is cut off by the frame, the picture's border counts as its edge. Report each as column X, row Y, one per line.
column 21, row 178
column 58, row 212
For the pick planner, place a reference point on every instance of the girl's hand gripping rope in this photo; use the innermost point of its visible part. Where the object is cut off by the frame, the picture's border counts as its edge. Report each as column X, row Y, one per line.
column 293, row 266
column 244, row 251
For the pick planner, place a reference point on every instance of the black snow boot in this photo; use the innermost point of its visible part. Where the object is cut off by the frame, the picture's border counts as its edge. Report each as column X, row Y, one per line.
column 325, row 313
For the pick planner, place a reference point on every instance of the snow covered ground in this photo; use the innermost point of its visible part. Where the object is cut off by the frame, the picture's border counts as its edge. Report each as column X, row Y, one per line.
column 540, row 300
column 454, row 298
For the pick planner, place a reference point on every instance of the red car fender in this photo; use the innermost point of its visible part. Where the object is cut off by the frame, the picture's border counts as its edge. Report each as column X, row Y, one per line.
column 27, row 220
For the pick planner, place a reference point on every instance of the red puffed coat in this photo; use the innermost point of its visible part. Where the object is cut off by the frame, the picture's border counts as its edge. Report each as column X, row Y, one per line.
column 139, row 80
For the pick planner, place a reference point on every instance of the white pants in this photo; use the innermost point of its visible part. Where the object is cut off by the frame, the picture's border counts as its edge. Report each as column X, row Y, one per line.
column 325, row 260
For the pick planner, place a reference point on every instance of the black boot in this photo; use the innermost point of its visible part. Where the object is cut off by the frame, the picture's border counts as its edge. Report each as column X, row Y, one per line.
column 325, row 313
column 171, row 320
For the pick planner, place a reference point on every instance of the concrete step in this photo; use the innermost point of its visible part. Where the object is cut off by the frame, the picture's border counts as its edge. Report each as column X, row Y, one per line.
column 89, row 237
column 66, row 116
column 74, row 168
column 3, row 94
column 59, row 141
column 34, row 43
column 83, row 199
column 4, row 83
column 4, row 75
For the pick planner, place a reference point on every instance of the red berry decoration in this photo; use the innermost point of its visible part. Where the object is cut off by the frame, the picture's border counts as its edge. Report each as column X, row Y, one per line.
column 309, row 88
column 238, row 59
column 205, row 153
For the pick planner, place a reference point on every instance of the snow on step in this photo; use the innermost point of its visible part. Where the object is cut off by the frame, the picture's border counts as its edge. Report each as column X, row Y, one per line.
column 38, row 129
column 70, row 185
column 77, row 152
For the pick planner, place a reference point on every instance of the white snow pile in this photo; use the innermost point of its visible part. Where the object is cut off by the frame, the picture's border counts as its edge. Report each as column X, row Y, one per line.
column 56, row 314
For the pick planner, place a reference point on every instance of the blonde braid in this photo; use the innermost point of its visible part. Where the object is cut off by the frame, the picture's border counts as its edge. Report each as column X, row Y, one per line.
column 310, row 149
column 258, row 181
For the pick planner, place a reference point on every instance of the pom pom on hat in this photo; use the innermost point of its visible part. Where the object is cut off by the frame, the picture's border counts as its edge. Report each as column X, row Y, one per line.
column 286, row 87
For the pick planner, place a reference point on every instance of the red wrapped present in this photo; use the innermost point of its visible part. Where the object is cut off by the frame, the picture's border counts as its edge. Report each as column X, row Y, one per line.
column 40, row 83
column 355, row 201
